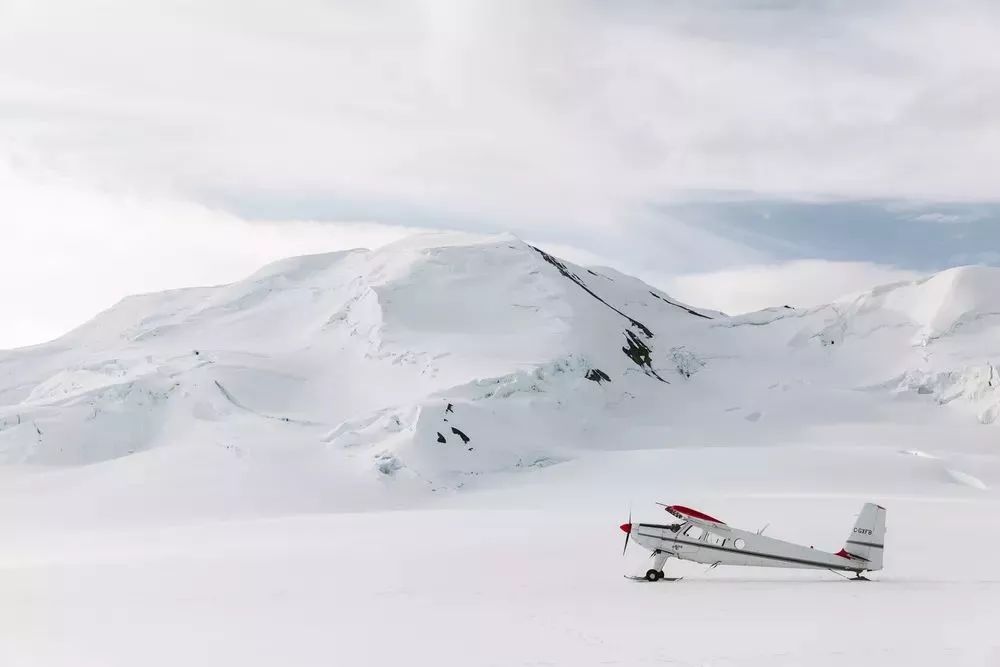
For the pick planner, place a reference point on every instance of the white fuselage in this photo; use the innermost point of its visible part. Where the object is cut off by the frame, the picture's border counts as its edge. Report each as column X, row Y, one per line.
column 704, row 542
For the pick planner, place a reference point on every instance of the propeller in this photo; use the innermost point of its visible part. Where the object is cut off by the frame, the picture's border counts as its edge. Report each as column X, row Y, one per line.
column 627, row 528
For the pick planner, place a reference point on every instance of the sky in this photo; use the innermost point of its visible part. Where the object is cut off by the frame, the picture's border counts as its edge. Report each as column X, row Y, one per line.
column 735, row 154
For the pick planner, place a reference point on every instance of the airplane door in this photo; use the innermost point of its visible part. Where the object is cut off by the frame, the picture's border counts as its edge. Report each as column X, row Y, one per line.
column 685, row 549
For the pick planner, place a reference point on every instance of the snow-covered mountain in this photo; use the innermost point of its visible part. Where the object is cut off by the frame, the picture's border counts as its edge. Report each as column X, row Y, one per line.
column 432, row 361
column 937, row 337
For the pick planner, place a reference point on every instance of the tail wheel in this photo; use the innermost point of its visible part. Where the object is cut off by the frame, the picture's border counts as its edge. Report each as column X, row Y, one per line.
column 653, row 575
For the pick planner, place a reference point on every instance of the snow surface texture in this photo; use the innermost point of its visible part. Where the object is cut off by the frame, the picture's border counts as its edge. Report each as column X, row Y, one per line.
column 220, row 472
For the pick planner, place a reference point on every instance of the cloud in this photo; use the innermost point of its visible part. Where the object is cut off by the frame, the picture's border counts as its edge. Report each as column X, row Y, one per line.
column 944, row 218
column 547, row 114
column 68, row 252
column 800, row 283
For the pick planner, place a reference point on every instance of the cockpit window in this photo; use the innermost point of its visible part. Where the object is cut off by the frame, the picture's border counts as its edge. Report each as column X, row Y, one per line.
column 717, row 540
column 694, row 532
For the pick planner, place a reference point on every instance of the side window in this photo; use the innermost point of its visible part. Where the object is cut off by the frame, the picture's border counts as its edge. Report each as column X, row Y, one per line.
column 717, row 540
column 694, row 532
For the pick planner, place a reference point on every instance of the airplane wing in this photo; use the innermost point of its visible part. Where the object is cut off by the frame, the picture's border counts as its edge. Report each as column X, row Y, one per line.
column 690, row 514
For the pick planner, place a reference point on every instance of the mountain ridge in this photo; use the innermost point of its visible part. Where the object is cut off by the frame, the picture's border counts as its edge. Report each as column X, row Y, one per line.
column 441, row 358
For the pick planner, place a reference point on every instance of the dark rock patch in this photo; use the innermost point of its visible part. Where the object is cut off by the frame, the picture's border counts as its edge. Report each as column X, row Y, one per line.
column 677, row 305
column 441, row 438
column 640, row 354
column 465, row 438
column 597, row 375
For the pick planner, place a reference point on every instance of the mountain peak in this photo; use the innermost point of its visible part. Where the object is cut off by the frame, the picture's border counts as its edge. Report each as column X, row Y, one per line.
column 939, row 304
column 313, row 341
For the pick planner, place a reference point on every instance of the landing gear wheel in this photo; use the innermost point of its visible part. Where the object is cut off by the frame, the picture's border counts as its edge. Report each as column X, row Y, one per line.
column 653, row 575
column 662, row 574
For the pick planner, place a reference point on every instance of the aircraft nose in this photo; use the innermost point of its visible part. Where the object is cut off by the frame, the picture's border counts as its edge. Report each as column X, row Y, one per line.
column 626, row 527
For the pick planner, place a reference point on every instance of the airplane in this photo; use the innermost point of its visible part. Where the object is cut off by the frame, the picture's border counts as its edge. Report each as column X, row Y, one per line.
column 701, row 538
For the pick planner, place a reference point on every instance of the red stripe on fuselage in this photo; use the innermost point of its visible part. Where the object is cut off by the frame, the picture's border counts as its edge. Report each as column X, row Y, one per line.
column 844, row 553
